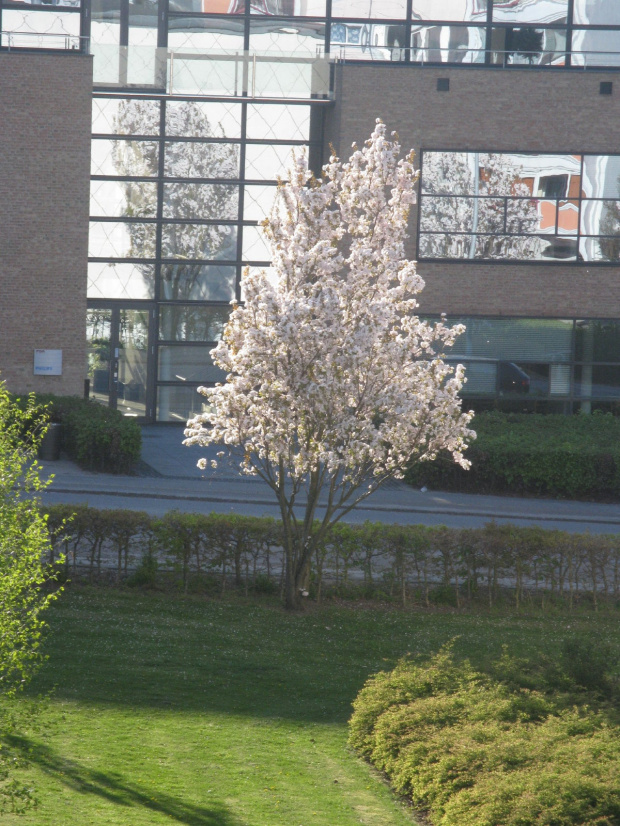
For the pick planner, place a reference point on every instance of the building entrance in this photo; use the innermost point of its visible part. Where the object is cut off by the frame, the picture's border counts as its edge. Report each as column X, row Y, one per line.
column 118, row 359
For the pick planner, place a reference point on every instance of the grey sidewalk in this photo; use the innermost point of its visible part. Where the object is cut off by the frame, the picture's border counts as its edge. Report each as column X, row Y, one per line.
column 170, row 479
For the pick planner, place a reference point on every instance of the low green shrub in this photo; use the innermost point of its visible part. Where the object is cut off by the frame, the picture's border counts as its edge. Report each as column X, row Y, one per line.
column 472, row 750
column 94, row 436
column 574, row 457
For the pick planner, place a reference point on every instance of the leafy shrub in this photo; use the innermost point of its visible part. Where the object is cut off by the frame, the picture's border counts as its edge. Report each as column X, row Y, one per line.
column 145, row 575
column 474, row 751
column 589, row 663
column 551, row 455
column 94, row 436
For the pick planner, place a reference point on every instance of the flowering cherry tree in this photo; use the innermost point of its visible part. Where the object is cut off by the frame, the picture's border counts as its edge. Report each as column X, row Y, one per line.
column 334, row 383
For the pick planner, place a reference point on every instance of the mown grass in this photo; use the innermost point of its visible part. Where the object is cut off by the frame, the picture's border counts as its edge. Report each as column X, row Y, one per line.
column 231, row 713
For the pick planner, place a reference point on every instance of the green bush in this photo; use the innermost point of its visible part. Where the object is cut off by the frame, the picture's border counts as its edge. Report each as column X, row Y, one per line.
column 94, row 436
column 472, row 750
column 565, row 456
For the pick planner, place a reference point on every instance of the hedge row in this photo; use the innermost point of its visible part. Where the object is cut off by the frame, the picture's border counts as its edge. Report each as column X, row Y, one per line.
column 573, row 457
column 94, row 436
column 471, row 749
column 407, row 564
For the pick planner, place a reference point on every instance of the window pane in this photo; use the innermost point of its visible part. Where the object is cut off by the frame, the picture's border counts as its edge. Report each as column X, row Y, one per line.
column 600, row 217
column 201, row 160
column 197, row 282
column 527, row 46
column 515, row 339
column 123, row 199
column 368, row 41
column 203, row 201
column 125, row 158
column 474, row 11
column 194, row 119
column 597, row 382
column 530, row 11
column 113, row 116
column 596, row 13
column 188, row 364
column 116, row 280
column 448, row 173
column 268, row 162
column 40, row 29
column 446, row 214
column 597, row 340
column 601, row 176
column 196, row 241
column 310, row 8
column 117, row 239
column 447, row 44
column 278, row 122
column 599, row 249
column 183, row 323
column 255, row 247
column 257, row 202
column 288, row 37
column 178, row 404
column 386, row 9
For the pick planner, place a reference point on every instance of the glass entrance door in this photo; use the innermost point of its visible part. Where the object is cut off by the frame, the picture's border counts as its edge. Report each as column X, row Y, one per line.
column 118, row 365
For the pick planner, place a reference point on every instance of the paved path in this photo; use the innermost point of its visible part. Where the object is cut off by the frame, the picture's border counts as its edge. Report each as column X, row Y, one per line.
column 170, row 479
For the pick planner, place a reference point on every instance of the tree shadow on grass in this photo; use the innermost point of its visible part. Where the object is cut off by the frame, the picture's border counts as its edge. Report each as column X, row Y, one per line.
column 114, row 789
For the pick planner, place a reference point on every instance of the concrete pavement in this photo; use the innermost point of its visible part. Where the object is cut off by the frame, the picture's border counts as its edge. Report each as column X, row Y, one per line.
column 168, row 478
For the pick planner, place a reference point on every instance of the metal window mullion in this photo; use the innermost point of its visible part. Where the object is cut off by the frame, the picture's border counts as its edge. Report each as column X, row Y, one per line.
column 242, row 182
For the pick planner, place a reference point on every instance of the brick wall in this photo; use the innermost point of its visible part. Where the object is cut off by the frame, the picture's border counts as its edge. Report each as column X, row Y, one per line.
column 488, row 109
column 45, row 114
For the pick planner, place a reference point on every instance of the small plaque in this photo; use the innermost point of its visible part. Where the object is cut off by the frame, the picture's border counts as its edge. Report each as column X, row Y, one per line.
column 48, row 362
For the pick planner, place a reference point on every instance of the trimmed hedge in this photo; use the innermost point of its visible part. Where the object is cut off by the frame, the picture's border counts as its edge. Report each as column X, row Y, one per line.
column 94, row 436
column 572, row 457
column 477, row 750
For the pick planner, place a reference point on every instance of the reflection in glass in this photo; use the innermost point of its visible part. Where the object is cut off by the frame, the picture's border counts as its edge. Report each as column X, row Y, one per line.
column 121, row 239
column 385, row 9
column 40, row 29
column 120, row 116
column 473, row 11
column 201, row 160
column 368, row 41
column 600, row 217
column 205, row 34
column 601, row 176
column 178, row 404
column 136, row 158
column 447, row 44
column 197, row 282
column 309, row 8
column 197, row 119
column 597, row 381
column 209, row 6
column 132, row 362
column 199, row 241
column 191, row 323
column 527, row 46
column 203, row 201
column 287, row 37
column 599, row 249
column 269, row 162
column 98, row 349
column 121, row 280
column 597, row 340
column 515, row 339
column 596, row 13
column 123, row 199
column 257, row 202
column 530, row 11
column 255, row 247
column 278, row 121
column 179, row 363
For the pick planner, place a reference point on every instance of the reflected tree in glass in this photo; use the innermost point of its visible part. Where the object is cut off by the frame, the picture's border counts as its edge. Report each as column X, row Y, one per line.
column 213, row 203
column 610, row 225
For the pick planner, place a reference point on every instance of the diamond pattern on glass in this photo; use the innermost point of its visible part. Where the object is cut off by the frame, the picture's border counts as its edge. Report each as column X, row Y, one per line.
column 202, row 242
column 138, row 159
column 115, row 280
column 278, row 122
column 268, row 162
column 257, row 202
column 201, row 160
column 119, row 239
column 111, row 116
column 255, row 246
column 197, row 119
column 202, row 201
column 123, row 199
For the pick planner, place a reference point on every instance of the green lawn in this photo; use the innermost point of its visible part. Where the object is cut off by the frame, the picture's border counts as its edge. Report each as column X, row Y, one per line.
column 188, row 711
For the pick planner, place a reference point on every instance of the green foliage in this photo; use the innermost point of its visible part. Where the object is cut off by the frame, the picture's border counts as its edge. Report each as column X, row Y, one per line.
column 476, row 750
column 145, row 575
column 94, row 436
column 551, row 455
column 24, row 549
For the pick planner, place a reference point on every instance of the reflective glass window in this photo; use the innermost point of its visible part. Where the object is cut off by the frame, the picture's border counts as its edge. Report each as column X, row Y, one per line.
column 601, row 176
column 32, row 29
column 282, row 75
column 257, row 202
column 255, row 247
column 197, row 282
column 288, row 37
column 514, row 339
column 199, row 241
column 204, row 34
column 599, row 249
column 125, row 158
column 202, row 201
column 121, row 280
column 181, row 363
column 448, row 173
column 368, row 41
column 278, row 121
column 530, row 11
column 308, row 8
column 201, row 160
column 120, row 239
column 597, row 381
column 386, row 9
column 122, row 116
column 447, row 44
column 123, row 199
column 595, row 47
column 268, row 162
column 197, row 119
column 178, row 404
column 528, row 46
column 208, row 6
column 474, row 11
column 600, row 217
column 597, row 340
column 596, row 13
column 178, row 322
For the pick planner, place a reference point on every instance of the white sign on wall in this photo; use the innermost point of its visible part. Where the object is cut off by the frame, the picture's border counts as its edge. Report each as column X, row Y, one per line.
column 48, row 362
